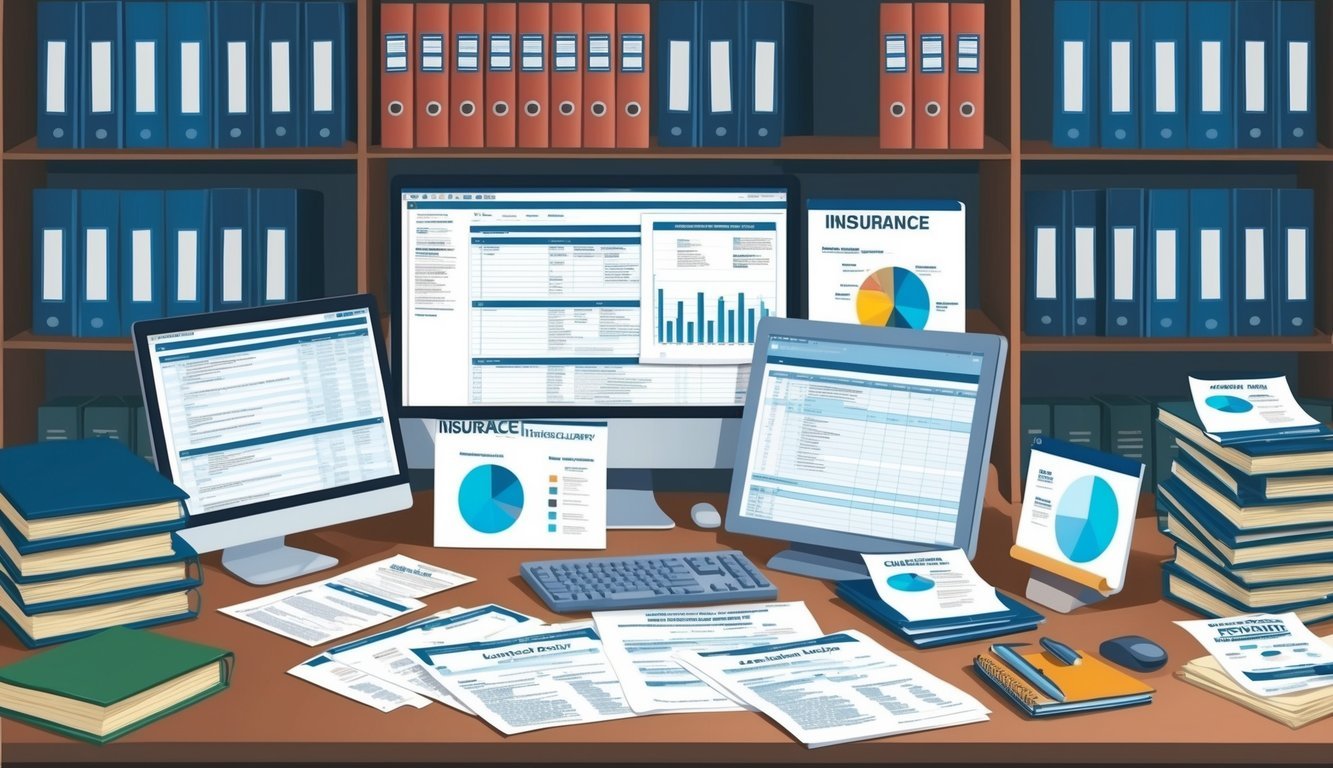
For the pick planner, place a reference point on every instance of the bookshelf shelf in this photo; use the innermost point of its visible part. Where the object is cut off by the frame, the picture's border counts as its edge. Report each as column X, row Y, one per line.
column 27, row 340
column 1318, row 343
column 1040, row 151
column 28, row 150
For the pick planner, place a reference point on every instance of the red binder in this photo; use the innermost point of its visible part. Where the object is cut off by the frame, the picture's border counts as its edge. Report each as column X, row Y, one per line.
column 895, row 75
column 566, row 75
column 967, row 76
column 930, row 23
column 466, row 83
column 534, row 74
column 432, row 94
column 396, row 75
column 632, row 83
column 501, row 79
column 599, row 77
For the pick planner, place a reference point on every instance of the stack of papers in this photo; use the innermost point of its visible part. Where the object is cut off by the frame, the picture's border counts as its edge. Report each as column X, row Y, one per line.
column 1293, row 710
column 931, row 633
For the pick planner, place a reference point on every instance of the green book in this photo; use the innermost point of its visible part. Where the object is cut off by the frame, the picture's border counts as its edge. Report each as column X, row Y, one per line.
column 61, row 418
column 1127, row 428
column 106, row 685
column 1077, row 420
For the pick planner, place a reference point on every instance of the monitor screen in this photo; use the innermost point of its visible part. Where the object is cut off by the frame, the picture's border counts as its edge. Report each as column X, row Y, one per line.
column 592, row 297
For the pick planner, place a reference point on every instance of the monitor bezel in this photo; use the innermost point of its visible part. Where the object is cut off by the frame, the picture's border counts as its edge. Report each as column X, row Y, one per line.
column 992, row 347
column 143, row 329
column 795, row 279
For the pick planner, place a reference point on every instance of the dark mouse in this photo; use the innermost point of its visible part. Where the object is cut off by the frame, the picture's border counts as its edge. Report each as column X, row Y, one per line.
column 1134, row 652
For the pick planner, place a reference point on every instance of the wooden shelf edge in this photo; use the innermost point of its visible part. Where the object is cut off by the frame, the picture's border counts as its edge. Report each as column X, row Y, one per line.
column 1042, row 150
column 28, row 150
column 1318, row 343
column 28, row 340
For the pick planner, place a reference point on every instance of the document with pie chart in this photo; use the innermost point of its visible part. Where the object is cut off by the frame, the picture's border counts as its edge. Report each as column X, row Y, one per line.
column 932, row 585
column 894, row 263
column 1078, row 513
column 535, row 485
column 1248, row 409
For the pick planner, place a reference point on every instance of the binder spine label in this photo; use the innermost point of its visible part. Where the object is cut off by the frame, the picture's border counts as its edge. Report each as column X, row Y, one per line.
column 395, row 53
column 895, row 54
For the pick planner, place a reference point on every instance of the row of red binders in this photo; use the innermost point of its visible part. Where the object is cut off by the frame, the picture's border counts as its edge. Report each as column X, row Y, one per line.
column 932, row 80
column 504, row 74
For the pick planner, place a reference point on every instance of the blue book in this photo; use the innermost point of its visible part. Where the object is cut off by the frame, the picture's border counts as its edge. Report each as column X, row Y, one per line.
column 98, row 307
column 235, row 66
column 189, row 95
column 59, row 47
column 1074, row 121
column 191, row 578
column 102, row 75
column 1183, row 588
column 142, row 261
column 1167, row 257
column 1293, row 291
column 24, row 629
column 231, row 247
column 1083, row 273
column 1163, row 73
column 1294, row 97
column 777, row 96
column 1246, row 490
column 1256, row 65
column 281, row 76
column 55, row 264
column 1046, row 241
column 290, row 243
column 722, row 71
column 328, row 55
column 1252, row 220
column 1210, row 270
column 679, row 59
column 1118, row 42
column 1124, row 262
column 145, row 73
column 1212, row 122
column 861, row 594
column 31, row 570
column 188, row 238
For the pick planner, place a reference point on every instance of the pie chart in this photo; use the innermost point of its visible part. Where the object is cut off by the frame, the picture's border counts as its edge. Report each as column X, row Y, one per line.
column 893, row 297
column 910, row 582
column 490, row 498
column 1229, row 404
column 1086, row 519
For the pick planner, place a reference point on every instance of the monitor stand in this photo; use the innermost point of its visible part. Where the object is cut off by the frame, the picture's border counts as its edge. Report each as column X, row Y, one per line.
column 820, row 563
column 270, row 561
column 630, row 503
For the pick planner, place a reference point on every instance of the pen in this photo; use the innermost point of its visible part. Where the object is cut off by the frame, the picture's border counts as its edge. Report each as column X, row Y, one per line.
column 1031, row 673
column 1059, row 650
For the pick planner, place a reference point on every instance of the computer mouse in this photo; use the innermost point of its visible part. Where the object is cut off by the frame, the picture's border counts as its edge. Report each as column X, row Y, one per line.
column 1134, row 652
column 705, row 515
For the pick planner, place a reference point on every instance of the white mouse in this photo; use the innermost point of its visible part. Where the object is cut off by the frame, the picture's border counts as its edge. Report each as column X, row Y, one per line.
column 705, row 515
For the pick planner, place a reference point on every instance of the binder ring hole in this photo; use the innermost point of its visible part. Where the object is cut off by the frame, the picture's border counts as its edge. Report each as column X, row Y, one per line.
column 97, row 322
column 52, row 322
column 532, row 108
column 280, row 130
column 191, row 133
column 58, row 132
column 434, row 109
column 147, row 133
column 236, row 133
column 633, row 109
column 101, row 133
column 467, row 109
column 967, row 109
column 598, row 109
column 897, row 109
column 1210, row 324
column 324, row 133
column 933, row 108
column 395, row 108
column 566, row 108
column 500, row 108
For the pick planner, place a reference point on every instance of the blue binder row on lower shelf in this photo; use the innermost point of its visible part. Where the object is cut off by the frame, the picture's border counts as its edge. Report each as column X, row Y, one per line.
column 104, row 259
column 861, row 594
column 1169, row 262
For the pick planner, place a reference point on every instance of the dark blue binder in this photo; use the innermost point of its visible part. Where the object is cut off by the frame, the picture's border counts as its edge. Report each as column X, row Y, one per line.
column 1294, row 96
column 861, row 594
column 1212, row 120
column 1252, row 221
column 679, row 57
column 777, row 90
column 188, row 266
column 1163, row 68
column 189, row 96
column 98, row 307
column 290, row 238
column 1124, row 262
column 102, row 74
column 281, row 78
column 1074, row 122
column 327, row 70
column 142, row 258
column 1256, row 67
column 1118, row 42
column 1167, row 251
column 55, row 267
column 721, row 72
column 1084, row 273
column 1294, row 241
column 1211, row 271
column 231, row 219
column 59, row 51
column 235, row 67
column 1046, row 243
column 145, row 57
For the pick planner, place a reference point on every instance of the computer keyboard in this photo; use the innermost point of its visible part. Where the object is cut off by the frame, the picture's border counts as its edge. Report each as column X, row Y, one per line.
column 644, row 581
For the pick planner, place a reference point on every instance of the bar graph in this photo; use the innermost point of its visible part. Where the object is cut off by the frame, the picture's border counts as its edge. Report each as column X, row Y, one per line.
column 706, row 320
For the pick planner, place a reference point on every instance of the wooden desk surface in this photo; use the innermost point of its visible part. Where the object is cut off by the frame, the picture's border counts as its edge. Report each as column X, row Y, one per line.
column 268, row 715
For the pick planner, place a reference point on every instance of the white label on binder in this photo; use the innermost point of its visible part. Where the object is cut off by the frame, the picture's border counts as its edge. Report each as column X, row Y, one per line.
column 1254, row 265
column 719, row 65
column 1122, row 245
column 678, row 64
column 187, row 265
column 190, row 78
column 1073, row 69
column 1164, row 62
column 280, row 76
column 1254, row 75
column 1165, row 290
column 101, row 71
column 1085, row 262
column 141, row 245
column 1296, row 265
column 765, row 82
column 322, row 75
column 53, row 264
column 1210, row 76
column 231, row 265
column 1121, row 73
column 275, row 266
column 1046, row 288
column 55, row 76
column 1210, row 264
column 145, row 76
column 236, row 77
column 1298, row 74
column 96, row 266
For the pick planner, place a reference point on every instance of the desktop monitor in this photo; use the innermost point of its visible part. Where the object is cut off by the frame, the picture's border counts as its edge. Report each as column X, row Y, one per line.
column 864, row 440
column 274, row 420
column 635, row 300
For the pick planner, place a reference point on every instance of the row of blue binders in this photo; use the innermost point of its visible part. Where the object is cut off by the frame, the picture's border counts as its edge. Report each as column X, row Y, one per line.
column 225, row 73
column 1169, row 262
column 733, row 73
column 104, row 259
column 1203, row 74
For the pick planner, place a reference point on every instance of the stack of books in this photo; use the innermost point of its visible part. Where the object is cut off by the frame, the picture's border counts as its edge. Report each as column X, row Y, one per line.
column 87, row 542
column 1253, row 523
column 861, row 594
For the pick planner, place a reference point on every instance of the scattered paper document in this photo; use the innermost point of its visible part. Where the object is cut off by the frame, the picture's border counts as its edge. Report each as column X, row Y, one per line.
column 531, row 682
column 401, row 576
column 1241, row 410
column 520, row 485
column 1267, row 654
column 836, row 688
column 932, row 585
column 642, row 644
column 356, row 685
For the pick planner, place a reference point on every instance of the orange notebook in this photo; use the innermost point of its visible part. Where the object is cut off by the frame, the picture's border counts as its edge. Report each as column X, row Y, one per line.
column 1091, row 684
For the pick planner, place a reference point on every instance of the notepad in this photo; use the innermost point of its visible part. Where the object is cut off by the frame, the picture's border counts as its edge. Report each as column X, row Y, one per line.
column 1089, row 685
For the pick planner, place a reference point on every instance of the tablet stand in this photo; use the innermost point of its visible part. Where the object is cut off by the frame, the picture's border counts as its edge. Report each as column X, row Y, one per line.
column 1058, row 593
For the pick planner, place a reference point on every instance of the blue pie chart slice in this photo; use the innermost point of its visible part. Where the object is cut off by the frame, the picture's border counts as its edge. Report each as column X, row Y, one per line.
column 910, row 582
column 911, row 301
column 490, row 498
column 1086, row 518
column 1229, row 404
